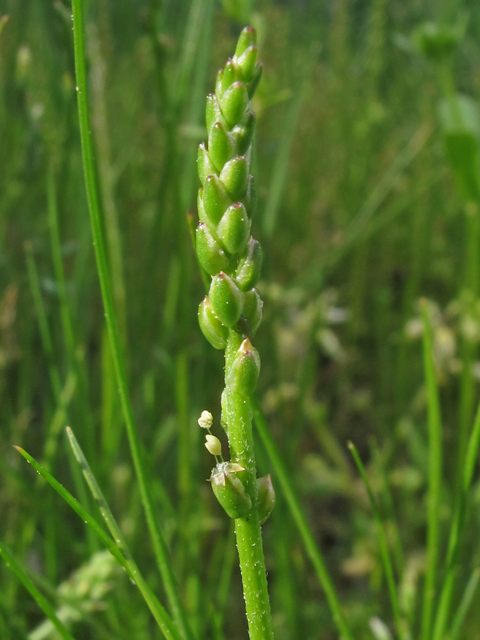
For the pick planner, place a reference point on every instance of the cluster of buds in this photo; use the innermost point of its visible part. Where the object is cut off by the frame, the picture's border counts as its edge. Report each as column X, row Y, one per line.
column 227, row 484
column 227, row 201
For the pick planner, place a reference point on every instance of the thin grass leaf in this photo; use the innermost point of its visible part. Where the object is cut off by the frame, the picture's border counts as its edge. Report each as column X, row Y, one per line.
column 456, row 531
column 161, row 616
column 34, row 592
column 434, row 477
column 382, row 540
column 464, row 606
column 300, row 520
column 90, row 171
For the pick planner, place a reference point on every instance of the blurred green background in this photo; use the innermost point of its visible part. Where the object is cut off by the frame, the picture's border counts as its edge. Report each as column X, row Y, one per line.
column 369, row 198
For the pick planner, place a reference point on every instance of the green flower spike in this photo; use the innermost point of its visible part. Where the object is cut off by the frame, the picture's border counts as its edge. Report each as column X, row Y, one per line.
column 231, row 313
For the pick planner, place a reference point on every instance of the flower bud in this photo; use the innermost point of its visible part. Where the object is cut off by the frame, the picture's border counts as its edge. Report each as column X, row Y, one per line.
column 234, row 177
column 243, row 375
column 210, row 254
column 205, row 420
column 204, row 164
column 266, row 498
column 246, row 63
column 213, row 445
column 253, row 83
column 247, row 38
column 234, row 102
column 213, row 330
column 220, row 146
column 215, row 199
column 250, row 265
column 213, row 113
column 229, row 489
column 225, row 78
column 243, row 133
column 252, row 311
column 234, row 228
column 226, row 299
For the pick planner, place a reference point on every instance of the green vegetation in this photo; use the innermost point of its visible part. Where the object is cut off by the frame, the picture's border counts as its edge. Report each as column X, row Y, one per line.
column 367, row 159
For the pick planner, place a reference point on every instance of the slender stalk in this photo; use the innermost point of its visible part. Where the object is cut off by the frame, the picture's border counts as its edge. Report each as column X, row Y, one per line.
column 160, row 549
column 247, row 530
column 300, row 520
column 434, row 479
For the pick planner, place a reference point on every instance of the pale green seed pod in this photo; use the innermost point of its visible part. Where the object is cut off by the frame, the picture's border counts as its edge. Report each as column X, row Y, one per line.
column 215, row 199
column 226, row 299
column 204, row 164
column 265, row 499
column 234, row 228
column 246, row 39
column 225, row 78
column 254, row 82
column 248, row 271
column 210, row 254
column 252, row 311
column 229, row 490
column 221, row 146
column 243, row 375
column 213, row 330
column 233, row 103
column 234, row 177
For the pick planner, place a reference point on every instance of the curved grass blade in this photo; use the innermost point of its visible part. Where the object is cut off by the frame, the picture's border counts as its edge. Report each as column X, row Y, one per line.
column 159, row 612
column 300, row 520
column 159, row 546
column 464, row 606
column 155, row 607
column 382, row 540
column 34, row 592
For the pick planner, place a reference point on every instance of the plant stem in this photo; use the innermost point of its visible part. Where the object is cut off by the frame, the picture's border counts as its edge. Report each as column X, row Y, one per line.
column 160, row 548
column 248, row 530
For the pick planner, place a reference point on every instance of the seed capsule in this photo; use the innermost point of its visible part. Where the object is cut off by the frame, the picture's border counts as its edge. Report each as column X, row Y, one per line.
column 243, row 375
column 253, row 83
column 234, row 102
column 250, row 265
column 210, row 254
column 234, row 176
column 213, row 330
column 229, row 489
column 226, row 299
column 213, row 113
column 234, row 228
column 266, row 498
column 243, row 133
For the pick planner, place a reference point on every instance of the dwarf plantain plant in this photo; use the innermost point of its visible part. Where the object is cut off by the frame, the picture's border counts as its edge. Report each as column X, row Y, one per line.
column 231, row 312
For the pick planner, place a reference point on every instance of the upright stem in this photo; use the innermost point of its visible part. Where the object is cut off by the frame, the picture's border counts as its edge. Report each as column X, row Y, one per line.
column 248, row 530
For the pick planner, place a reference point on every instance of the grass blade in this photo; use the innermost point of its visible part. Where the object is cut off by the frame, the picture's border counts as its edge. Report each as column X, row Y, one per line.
column 34, row 592
column 382, row 540
column 464, row 606
column 160, row 549
column 158, row 611
column 434, row 477
column 300, row 520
